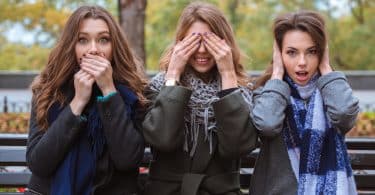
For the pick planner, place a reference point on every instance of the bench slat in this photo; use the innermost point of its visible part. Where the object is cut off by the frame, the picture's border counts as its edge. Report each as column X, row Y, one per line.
column 15, row 156
column 14, row 179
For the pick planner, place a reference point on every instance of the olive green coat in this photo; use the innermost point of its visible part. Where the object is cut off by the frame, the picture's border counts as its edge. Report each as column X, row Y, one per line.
column 172, row 170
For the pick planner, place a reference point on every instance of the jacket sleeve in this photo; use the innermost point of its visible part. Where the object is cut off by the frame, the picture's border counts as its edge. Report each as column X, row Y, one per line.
column 164, row 120
column 342, row 107
column 46, row 149
column 124, row 139
column 270, row 103
column 235, row 130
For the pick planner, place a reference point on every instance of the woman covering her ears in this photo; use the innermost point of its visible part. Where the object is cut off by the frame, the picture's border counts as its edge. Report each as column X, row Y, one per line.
column 302, row 110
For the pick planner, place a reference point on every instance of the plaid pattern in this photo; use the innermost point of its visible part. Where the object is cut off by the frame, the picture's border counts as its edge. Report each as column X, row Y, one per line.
column 316, row 150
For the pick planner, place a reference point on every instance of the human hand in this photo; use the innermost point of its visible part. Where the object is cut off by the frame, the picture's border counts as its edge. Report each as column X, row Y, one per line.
column 324, row 66
column 181, row 54
column 100, row 68
column 277, row 63
column 83, row 82
column 222, row 54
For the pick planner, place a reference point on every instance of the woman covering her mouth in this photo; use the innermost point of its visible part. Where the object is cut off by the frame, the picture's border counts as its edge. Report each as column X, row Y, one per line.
column 302, row 110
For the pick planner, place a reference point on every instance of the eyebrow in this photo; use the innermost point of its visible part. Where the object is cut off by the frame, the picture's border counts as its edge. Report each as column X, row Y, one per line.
column 100, row 33
column 312, row 47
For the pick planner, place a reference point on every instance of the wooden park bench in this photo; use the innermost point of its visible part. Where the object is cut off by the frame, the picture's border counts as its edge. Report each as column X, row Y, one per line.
column 13, row 149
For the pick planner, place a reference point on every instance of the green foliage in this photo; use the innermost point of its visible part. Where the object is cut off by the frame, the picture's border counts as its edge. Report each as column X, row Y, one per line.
column 350, row 45
column 351, row 35
column 44, row 17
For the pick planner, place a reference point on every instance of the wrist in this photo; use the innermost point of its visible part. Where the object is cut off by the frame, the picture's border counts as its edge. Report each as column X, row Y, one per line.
column 229, row 80
column 327, row 69
column 173, row 75
column 108, row 90
column 277, row 74
column 77, row 106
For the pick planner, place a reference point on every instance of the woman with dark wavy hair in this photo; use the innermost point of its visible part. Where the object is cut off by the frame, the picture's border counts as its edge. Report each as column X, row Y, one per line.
column 198, row 123
column 302, row 110
column 84, row 136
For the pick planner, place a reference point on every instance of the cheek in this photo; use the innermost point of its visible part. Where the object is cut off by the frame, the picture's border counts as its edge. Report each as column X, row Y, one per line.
column 288, row 63
column 79, row 52
column 314, row 63
column 108, row 53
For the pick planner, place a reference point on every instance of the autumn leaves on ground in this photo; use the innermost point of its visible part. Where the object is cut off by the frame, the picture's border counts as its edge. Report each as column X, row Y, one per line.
column 18, row 123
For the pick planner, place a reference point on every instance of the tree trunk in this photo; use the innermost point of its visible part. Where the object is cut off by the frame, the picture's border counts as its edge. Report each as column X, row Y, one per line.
column 132, row 20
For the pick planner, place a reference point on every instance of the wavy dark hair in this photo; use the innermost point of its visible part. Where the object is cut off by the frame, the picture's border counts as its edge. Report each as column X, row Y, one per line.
column 307, row 21
column 59, row 71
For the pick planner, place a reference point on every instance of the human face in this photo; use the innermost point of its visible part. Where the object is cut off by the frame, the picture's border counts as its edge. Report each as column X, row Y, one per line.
column 300, row 57
column 94, row 38
column 201, row 60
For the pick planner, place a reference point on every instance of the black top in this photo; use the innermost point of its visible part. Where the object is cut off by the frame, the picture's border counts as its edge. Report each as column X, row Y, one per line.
column 117, row 168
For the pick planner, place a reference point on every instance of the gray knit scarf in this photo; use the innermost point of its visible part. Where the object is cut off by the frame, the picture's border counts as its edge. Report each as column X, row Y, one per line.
column 200, row 114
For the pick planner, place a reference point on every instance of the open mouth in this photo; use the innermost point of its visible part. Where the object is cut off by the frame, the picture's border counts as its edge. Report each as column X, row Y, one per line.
column 302, row 76
column 302, row 73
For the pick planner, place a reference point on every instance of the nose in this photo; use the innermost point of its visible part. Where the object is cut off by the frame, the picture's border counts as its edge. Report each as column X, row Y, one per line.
column 302, row 60
column 201, row 48
column 93, row 48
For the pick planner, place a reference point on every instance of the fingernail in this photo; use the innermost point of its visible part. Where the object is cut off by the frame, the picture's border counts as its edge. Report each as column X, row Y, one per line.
column 205, row 33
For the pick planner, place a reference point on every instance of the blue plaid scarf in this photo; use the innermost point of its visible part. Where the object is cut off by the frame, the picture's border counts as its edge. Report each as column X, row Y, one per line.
column 75, row 174
column 316, row 150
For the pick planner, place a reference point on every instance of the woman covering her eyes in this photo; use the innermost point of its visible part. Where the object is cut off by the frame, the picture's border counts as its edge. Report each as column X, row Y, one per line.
column 84, row 136
column 198, row 123
column 302, row 110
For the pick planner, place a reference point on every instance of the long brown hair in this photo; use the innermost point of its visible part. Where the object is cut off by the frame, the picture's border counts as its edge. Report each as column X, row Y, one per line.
column 59, row 71
column 306, row 21
column 214, row 18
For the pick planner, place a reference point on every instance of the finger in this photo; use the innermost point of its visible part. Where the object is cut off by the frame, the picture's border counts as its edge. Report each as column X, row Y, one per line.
column 192, row 48
column 78, row 74
column 214, row 37
column 190, row 39
column 210, row 49
column 90, row 69
column 97, row 60
column 215, row 40
column 215, row 50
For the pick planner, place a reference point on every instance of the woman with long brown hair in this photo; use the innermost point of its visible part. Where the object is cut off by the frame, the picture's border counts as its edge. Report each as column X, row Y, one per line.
column 302, row 110
column 198, row 123
column 84, row 136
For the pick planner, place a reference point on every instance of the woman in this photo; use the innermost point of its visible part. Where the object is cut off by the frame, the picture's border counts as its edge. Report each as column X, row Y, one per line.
column 302, row 111
column 198, row 123
column 83, row 136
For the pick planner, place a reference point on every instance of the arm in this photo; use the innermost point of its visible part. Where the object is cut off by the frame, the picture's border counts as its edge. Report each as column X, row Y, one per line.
column 164, row 121
column 342, row 107
column 236, row 132
column 46, row 149
column 270, row 103
column 125, row 142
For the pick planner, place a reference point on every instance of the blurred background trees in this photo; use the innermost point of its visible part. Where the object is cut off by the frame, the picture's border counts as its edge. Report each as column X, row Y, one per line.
column 29, row 28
